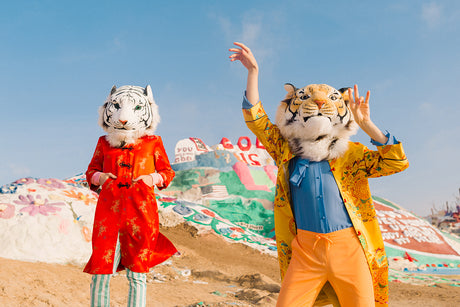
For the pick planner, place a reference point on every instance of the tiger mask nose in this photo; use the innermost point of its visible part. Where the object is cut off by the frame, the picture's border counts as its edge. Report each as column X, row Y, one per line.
column 123, row 122
column 319, row 102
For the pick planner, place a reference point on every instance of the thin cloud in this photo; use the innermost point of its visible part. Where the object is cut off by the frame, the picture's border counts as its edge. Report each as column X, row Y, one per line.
column 432, row 14
column 252, row 30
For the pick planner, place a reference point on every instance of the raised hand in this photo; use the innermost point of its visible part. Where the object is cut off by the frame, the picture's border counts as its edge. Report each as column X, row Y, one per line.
column 359, row 106
column 244, row 55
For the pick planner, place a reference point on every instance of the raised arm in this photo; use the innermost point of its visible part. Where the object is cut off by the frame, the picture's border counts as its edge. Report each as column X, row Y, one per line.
column 361, row 113
column 245, row 56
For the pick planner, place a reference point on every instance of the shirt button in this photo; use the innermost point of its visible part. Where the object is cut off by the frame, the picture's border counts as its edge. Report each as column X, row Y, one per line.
column 323, row 217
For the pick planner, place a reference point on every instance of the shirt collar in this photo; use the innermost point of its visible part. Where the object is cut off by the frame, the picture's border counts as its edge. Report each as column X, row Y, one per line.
column 300, row 169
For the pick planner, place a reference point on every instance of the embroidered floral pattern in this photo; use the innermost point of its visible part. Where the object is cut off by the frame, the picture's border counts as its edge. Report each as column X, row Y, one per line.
column 143, row 255
column 116, row 206
column 108, row 256
column 135, row 228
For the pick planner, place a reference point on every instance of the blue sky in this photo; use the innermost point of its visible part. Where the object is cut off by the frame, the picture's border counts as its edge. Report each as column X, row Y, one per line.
column 59, row 60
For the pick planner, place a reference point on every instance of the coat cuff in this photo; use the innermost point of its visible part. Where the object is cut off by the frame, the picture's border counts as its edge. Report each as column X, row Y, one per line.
column 246, row 104
column 157, row 179
column 95, row 178
column 256, row 112
column 391, row 140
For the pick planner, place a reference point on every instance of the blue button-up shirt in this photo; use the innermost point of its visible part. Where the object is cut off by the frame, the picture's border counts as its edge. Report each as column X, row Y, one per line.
column 316, row 200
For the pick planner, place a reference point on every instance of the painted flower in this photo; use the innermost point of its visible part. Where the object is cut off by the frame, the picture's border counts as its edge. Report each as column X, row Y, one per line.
column 86, row 198
column 51, row 183
column 208, row 212
column 27, row 180
column 34, row 205
column 6, row 211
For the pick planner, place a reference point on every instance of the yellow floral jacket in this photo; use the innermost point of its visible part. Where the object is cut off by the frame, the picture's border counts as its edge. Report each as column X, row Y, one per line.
column 351, row 172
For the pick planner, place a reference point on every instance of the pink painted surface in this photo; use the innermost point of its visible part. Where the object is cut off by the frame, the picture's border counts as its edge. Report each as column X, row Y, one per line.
column 271, row 171
column 243, row 172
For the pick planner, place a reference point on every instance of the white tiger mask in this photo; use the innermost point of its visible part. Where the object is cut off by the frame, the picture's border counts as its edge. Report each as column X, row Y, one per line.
column 128, row 114
column 316, row 121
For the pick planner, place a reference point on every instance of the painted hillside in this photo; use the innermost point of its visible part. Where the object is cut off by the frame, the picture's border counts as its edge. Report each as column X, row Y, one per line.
column 227, row 189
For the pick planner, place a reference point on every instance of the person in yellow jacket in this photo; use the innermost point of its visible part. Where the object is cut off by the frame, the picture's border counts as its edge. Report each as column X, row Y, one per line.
column 330, row 247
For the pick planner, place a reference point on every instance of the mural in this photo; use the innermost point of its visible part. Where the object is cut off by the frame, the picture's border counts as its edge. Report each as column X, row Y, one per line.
column 225, row 189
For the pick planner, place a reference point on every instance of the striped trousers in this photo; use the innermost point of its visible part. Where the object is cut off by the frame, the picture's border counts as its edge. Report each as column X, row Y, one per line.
column 100, row 286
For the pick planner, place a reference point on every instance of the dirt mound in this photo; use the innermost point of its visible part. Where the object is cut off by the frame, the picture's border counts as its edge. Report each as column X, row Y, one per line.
column 209, row 272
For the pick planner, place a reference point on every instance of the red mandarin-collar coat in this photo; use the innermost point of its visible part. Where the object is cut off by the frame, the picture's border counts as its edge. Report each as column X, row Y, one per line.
column 128, row 208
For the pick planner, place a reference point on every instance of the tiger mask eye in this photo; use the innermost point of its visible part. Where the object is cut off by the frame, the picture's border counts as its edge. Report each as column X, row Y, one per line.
column 304, row 97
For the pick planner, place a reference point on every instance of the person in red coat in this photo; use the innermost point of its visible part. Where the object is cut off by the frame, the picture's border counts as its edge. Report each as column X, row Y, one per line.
column 126, row 166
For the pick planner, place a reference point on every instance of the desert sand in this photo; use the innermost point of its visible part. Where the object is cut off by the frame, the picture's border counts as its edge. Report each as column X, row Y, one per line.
column 208, row 272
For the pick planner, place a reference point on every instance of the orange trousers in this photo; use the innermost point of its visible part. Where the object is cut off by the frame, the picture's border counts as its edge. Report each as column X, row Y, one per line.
column 337, row 257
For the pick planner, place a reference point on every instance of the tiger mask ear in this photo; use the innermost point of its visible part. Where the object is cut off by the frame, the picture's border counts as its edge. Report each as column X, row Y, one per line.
column 290, row 89
column 148, row 93
column 113, row 90
column 344, row 92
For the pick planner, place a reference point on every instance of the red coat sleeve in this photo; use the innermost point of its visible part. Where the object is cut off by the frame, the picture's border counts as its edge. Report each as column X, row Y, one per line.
column 162, row 165
column 96, row 164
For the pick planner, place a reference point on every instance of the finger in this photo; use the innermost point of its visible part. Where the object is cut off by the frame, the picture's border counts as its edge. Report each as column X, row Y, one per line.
column 356, row 92
column 112, row 176
column 243, row 46
column 233, row 55
column 353, row 102
column 235, row 58
column 238, row 58
column 235, row 50
column 367, row 97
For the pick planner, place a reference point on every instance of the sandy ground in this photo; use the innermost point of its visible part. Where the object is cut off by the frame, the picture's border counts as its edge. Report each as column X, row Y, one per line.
column 209, row 272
